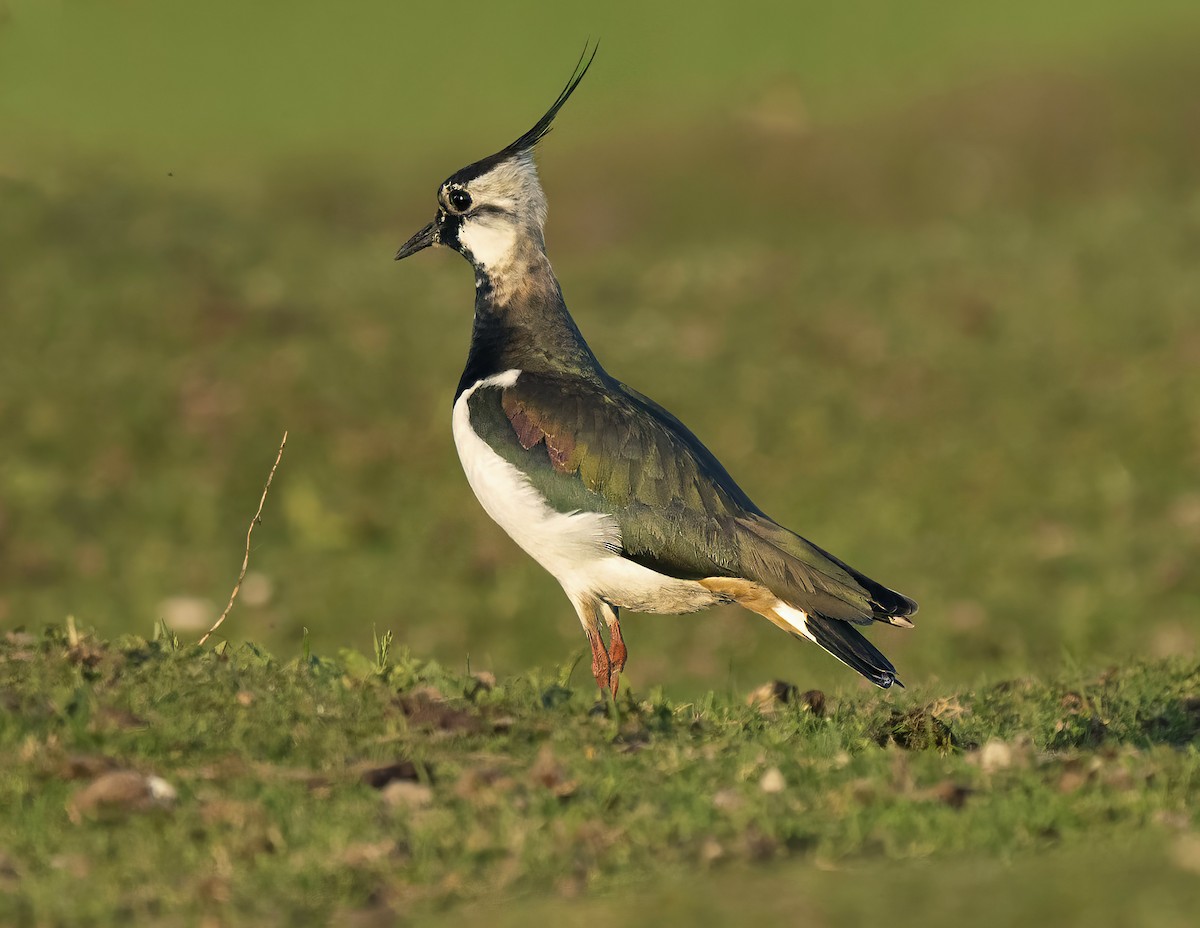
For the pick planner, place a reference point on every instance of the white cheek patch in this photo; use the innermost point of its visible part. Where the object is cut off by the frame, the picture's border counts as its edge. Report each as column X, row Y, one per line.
column 491, row 243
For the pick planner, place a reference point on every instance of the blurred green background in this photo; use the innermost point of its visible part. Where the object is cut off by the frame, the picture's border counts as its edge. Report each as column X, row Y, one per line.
column 925, row 276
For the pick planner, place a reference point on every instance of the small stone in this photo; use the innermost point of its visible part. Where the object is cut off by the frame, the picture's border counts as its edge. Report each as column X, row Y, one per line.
column 160, row 790
column 772, row 781
column 121, row 792
column 996, row 755
column 187, row 613
column 711, row 851
column 257, row 590
column 727, row 800
column 999, row 755
column 768, row 697
column 406, row 794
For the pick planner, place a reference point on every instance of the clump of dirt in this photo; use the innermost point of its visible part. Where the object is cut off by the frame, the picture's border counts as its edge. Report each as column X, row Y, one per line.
column 770, row 696
column 917, row 729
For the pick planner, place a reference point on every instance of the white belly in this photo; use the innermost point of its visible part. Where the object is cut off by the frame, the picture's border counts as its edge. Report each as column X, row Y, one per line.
column 580, row 549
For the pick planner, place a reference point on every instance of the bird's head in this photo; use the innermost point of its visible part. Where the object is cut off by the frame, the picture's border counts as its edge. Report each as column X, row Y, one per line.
column 492, row 209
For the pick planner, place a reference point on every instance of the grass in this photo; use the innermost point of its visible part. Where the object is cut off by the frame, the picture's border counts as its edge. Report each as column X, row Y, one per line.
column 926, row 282
column 226, row 92
column 1144, row 880
column 314, row 789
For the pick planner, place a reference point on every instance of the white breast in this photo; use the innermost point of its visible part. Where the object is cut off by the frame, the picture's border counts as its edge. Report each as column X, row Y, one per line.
column 578, row 548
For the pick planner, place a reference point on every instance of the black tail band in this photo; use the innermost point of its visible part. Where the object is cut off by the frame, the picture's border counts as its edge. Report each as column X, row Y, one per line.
column 846, row 643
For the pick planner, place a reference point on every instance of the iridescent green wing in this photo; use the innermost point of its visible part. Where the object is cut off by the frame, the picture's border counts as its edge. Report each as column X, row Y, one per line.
column 601, row 447
column 596, row 447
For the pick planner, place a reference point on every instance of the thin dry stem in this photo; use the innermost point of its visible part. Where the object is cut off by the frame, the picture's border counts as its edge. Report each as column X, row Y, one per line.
column 250, row 531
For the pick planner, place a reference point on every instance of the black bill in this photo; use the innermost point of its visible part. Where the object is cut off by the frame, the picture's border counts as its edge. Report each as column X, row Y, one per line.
column 423, row 239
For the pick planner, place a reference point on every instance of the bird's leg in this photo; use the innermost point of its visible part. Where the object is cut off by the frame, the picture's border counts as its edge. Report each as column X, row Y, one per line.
column 589, row 618
column 616, row 644
column 601, row 666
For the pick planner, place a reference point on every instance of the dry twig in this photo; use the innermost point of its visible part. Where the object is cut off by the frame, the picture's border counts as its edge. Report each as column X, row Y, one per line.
column 250, row 531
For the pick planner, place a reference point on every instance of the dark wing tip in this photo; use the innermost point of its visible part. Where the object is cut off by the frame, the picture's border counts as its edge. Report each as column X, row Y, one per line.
column 888, row 605
column 843, row 641
column 542, row 126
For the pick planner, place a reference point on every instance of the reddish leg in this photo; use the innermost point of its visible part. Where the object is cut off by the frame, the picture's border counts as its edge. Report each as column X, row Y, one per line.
column 601, row 666
column 616, row 645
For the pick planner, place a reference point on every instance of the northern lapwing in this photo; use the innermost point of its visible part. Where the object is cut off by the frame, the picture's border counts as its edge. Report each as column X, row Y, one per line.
column 603, row 487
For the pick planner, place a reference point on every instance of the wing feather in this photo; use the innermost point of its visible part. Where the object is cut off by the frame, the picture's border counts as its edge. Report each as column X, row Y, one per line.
column 601, row 447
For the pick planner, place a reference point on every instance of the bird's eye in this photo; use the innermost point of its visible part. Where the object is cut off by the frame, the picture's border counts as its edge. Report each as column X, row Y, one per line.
column 459, row 200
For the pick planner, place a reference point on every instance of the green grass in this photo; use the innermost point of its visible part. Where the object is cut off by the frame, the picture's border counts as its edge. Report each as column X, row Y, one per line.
column 526, row 787
column 1144, row 880
column 925, row 280
column 214, row 91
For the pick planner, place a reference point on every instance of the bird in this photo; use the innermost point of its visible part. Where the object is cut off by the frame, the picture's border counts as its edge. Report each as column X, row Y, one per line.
column 603, row 487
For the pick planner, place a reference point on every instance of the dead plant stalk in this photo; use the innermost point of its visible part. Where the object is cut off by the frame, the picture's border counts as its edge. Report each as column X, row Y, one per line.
column 250, row 531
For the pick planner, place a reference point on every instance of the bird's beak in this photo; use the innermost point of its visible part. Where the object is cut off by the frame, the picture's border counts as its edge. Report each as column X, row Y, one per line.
column 423, row 239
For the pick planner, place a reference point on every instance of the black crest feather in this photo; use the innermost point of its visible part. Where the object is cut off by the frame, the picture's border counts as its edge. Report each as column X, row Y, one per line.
column 542, row 126
column 529, row 139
